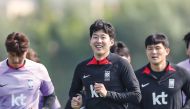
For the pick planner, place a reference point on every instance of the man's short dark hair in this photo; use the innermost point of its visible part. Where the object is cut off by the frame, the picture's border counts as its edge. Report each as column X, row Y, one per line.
column 102, row 25
column 17, row 42
column 157, row 38
column 187, row 39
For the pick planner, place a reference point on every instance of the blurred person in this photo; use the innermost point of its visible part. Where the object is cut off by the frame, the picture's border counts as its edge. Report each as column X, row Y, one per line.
column 186, row 63
column 121, row 49
column 32, row 55
column 109, row 80
column 22, row 79
column 161, row 81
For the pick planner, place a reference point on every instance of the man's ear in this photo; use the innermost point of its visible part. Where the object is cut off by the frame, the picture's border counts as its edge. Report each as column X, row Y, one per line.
column 168, row 51
column 112, row 42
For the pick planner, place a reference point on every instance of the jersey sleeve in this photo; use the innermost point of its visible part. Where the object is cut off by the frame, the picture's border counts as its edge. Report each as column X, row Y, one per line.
column 186, row 89
column 76, row 86
column 132, row 93
column 46, row 86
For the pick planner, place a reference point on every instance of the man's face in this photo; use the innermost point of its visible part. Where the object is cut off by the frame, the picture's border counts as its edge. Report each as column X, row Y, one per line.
column 188, row 50
column 157, row 53
column 100, row 43
column 16, row 61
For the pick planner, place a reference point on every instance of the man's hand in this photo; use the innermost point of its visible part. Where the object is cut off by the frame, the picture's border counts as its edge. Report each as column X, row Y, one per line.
column 100, row 89
column 76, row 102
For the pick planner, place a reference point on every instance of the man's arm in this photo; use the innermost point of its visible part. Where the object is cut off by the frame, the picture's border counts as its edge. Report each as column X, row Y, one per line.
column 132, row 93
column 76, row 87
column 48, row 101
column 186, row 90
column 46, row 88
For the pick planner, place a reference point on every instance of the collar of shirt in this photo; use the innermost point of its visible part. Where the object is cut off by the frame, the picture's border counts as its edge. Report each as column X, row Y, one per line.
column 169, row 68
column 104, row 61
column 14, row 67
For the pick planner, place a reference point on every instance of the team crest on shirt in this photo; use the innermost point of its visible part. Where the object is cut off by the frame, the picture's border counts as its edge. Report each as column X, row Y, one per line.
column 171, row 83
column 30, row 84
column 107, row 76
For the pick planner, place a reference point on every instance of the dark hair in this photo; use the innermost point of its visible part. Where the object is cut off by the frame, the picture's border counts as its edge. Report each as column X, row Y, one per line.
column 17, row 42
column 156, row 39
column 32, row 55
column 102, row 25
column 187, row 39
column 121, row 49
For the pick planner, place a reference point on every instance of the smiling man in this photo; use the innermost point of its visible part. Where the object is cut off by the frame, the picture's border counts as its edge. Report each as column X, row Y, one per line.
column 107, row 79
column 161, row 81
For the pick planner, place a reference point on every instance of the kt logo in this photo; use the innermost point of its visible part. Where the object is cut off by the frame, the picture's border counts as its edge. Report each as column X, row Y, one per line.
column 159, row 99
column 18, row 100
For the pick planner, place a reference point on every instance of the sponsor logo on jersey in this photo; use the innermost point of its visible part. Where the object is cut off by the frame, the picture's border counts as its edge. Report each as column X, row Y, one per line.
column 107, row 76
column 93, row 92
column 171, row 83
column 159, row 99
column 19, row 100
column 30, row 84
column 144, row 85
column 86, row 76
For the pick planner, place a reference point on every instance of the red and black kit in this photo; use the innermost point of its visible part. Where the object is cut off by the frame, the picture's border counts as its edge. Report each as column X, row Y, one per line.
column 163, row 90
column 115, row 73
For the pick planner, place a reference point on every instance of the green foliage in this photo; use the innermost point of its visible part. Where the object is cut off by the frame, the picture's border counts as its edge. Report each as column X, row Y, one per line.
column 60, row 34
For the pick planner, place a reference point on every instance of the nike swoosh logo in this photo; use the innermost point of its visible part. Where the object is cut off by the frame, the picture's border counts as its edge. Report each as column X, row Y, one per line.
column 2, row 85
column 144, row 85
column 86, row 76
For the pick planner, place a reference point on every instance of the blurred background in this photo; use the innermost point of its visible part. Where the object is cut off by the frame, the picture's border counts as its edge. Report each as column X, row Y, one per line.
column 59, row 30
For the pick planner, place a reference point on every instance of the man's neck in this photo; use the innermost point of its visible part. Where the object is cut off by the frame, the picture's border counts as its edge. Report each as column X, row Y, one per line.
column 101, row 57
column 158, row 67
column 16, row 66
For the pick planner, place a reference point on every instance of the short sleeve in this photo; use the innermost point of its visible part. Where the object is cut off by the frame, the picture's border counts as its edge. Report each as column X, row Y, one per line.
column 46, row 86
